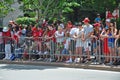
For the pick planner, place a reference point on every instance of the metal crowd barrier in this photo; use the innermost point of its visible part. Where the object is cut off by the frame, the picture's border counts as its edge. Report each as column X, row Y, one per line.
column 41, row 49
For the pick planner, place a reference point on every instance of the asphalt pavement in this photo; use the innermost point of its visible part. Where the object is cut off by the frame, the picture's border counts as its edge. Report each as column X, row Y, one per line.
column 68, row 65
column 37, row 72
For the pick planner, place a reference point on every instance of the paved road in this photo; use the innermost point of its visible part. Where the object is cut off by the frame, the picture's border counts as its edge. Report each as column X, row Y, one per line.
column 30, row 72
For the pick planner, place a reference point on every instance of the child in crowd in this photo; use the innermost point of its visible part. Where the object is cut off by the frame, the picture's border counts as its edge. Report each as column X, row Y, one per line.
column 66, row 50
column 59, row 35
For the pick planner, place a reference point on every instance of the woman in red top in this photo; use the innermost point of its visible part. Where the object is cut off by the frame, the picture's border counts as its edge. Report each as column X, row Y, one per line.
column 50, row 37
column 106, row 51
column 40, row 35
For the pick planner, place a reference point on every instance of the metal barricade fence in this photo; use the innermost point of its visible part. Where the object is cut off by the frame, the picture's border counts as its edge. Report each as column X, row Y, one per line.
column 31, row 48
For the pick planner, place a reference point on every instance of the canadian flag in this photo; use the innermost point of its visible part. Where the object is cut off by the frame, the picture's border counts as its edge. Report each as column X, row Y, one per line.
column 109, row 15
column 114, row 14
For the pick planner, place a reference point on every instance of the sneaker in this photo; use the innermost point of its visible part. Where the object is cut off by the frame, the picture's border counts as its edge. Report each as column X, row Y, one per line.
column 46, row 52
column 69, row 61
column 77, row 60
column 110, row 64
column 4, row 58
column 52, row 60
column 95, row 63
column 92, row 57
column 36, row 51
column 39, row 52
column 33, row 59
column 40, row 59
column 46, row 59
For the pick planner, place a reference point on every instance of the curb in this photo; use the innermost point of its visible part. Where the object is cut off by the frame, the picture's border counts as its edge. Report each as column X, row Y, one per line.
column 68, row 65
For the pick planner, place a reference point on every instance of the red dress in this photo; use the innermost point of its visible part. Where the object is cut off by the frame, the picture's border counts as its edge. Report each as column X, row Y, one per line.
column 105, row 45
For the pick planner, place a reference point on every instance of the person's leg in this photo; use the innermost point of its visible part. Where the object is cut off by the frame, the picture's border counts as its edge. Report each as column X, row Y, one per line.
column 119, row 52
column 7, row 51
column 76, row 54
column 80, row 53
column 52, row 50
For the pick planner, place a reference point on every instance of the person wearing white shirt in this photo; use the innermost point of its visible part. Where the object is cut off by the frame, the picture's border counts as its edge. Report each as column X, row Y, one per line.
column 79, row 37
column 88, row 30
column 59, row 35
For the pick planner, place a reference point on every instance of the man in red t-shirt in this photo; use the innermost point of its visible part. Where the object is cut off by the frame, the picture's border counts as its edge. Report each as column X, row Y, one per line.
column 7, row 41
column 35, row 38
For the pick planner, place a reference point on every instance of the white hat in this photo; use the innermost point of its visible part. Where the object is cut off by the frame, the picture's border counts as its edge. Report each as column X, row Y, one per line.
column 5, row 29
column 10, row 21
column 107, row 20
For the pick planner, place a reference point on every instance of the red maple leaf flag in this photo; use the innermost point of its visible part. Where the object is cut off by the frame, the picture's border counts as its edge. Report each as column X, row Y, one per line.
column 116, row 13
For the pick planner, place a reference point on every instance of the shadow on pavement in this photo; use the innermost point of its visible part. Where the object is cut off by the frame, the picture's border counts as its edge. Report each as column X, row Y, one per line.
column 24, row 67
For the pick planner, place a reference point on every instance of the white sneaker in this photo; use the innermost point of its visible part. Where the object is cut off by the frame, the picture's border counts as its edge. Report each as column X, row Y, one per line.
column 46, row 52
column 77, row 60
column 40, row 59
column 4, row 58
column 39, row 52
column 69, row 61
column 92, row 57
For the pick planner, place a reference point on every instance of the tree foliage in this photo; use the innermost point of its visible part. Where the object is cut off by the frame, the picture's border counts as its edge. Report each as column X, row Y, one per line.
column 89, row 8
column 59, row 8
column 26, row 21
column 43, row 8
column 5, row 7
column 49, row 8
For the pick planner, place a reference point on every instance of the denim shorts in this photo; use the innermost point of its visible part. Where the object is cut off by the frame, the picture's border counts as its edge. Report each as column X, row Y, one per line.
column 65, row 51
column 94, row 45
column 111, row 44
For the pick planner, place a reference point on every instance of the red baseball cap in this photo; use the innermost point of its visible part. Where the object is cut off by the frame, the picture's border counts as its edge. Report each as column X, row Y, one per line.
column 96, row 25
column 86, row 20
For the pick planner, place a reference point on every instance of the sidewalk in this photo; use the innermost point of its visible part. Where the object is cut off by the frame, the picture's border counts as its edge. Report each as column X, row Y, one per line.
column 69, row 65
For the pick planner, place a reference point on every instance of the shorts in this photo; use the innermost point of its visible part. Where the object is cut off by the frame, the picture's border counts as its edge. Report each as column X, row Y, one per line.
column 79, row 43
column 87, row 45
column 95, row 44
column 72, row 46
column 111, row 44
column 65, row 51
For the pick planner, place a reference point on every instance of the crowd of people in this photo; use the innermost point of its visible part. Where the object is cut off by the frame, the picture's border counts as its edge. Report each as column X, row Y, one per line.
column 61, row 42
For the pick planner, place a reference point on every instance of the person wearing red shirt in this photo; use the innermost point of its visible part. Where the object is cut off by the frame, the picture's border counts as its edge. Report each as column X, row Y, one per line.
column 40, row 34
column 40, row 42
column 7, row 41
column 50, row 36
column 35, row 37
